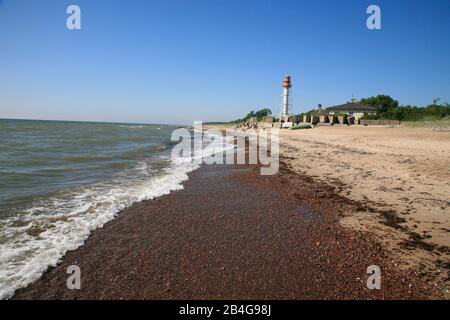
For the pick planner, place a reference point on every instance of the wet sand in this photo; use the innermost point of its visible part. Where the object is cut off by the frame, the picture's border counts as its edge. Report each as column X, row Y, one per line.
column 232, row 234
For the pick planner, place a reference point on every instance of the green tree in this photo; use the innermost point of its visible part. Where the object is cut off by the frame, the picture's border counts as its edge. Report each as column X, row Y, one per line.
column 258, row 115
column 262, row 113
column 384, row 103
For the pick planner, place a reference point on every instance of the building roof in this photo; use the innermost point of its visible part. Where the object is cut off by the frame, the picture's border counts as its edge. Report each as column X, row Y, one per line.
column 353, row 107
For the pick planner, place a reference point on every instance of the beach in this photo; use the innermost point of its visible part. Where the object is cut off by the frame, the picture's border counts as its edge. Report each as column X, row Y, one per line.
column 401, row 177
column 191, row 150
column 232, row 233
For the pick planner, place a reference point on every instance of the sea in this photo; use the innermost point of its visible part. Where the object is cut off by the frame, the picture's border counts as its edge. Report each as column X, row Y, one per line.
column 59, row 181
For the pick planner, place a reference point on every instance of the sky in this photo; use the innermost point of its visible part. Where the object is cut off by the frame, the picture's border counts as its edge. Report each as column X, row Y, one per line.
column 176, row 61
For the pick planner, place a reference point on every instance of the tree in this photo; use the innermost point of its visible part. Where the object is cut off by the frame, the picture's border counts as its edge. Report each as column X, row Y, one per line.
column 252, row 114
column 262, row 113
column 384, row 103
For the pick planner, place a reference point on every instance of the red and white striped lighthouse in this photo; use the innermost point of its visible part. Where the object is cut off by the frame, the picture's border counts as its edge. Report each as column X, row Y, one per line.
column 287, row 85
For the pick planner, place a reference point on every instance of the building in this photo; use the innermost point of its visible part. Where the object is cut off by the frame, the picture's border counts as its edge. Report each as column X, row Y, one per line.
column 319, row 115
column 285, row 107
column 286, row 104
column 353, row 109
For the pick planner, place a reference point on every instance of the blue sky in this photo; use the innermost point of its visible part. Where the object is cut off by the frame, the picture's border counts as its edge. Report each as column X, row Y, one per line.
column 177, row 61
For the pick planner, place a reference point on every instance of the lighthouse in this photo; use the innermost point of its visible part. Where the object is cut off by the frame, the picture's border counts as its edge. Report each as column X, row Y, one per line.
column 287, row 85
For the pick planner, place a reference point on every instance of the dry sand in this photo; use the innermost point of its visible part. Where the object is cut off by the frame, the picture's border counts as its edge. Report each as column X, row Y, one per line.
column 401, row 177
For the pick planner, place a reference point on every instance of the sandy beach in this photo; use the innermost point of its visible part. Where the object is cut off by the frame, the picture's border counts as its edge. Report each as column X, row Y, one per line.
column 225, row 150
column 345, row 198
column 401, row 177
column 230, row 234
column 234, row 234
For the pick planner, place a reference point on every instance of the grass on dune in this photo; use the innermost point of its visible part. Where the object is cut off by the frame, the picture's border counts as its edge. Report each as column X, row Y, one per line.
column 429, row 123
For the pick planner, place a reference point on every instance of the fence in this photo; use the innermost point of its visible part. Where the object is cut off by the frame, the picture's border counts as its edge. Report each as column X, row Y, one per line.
column 379, row 122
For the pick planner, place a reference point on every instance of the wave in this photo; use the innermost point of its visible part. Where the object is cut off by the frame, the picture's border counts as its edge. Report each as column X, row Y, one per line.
column 39, row 237
column 132, row 126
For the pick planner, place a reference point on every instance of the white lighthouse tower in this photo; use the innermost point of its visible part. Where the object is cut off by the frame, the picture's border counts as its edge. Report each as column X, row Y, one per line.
column 287, row 85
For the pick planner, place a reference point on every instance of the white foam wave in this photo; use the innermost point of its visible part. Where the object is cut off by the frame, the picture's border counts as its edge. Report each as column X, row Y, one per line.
column 38, row 239
column 32, row 242
column 131, row 126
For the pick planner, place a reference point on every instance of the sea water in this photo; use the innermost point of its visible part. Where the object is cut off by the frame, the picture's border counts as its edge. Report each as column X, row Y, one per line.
column 61, row 180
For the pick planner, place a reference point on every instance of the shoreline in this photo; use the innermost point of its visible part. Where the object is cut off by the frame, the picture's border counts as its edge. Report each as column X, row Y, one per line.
column 231, row 234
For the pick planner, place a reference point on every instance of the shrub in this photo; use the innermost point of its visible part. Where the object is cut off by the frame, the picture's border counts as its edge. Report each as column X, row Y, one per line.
column 302, row 126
